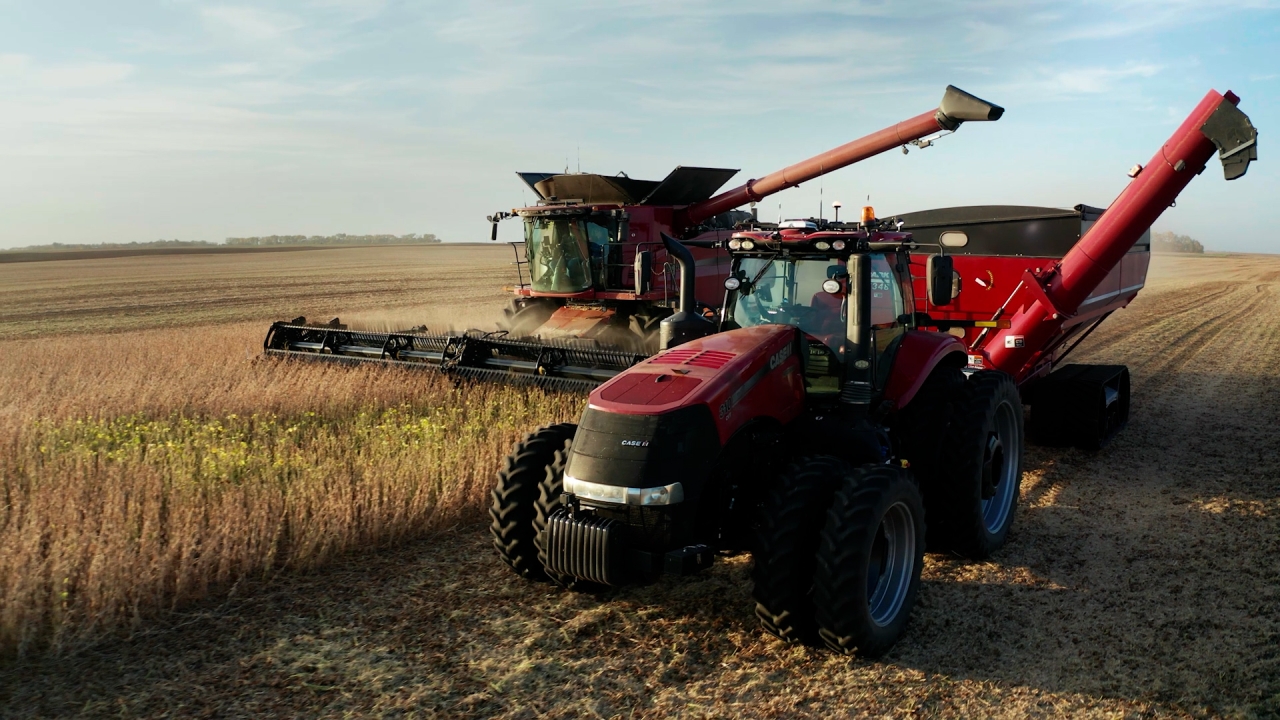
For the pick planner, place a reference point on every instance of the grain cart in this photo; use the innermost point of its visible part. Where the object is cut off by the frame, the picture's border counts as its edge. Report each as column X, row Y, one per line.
column 597, row 268
column 823, row 414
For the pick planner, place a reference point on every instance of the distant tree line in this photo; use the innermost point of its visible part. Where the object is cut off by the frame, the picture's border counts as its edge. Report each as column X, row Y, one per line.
column 1170, row 243
column 339, row 239
column 121, row 246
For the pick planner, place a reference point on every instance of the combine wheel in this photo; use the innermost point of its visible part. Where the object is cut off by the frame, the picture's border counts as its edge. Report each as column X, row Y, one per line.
column 973, row 498
column 549, row 492
column 788, row 543
column 524, row 315
column 869, row 561
column 514, row 500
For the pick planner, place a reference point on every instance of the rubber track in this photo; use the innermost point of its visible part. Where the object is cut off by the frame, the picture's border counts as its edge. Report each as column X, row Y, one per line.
column 840, row 583
column 513, row 509
column 787, row 546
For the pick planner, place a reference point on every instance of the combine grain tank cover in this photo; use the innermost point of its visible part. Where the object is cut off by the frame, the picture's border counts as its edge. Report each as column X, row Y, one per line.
column 1009, row 230
column 688, row 185
column 593, row 189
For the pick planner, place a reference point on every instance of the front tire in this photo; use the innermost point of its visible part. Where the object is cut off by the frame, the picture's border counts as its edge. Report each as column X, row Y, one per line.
column 513, row 507
column 974, row 498
column 869, row 561
column 787, row 546
column 550, row 493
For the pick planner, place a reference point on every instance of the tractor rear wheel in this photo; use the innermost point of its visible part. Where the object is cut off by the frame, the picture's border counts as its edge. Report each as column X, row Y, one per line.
column 514, row 501
column 973, row 499
column 869, row 561
column 787, row 545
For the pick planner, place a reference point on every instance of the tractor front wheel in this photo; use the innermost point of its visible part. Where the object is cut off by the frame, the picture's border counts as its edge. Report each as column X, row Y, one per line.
column 550, row 497
column 869, row 561
column 513, row 509
column 787, row 545
column 972, row 500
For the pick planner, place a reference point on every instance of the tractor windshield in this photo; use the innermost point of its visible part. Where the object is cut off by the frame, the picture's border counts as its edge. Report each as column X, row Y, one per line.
column 790, row 292
column 566, row 255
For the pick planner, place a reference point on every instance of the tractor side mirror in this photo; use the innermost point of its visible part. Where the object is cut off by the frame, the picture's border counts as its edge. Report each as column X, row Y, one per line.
column 643, row 271
column 940, row 279
column 493, row 234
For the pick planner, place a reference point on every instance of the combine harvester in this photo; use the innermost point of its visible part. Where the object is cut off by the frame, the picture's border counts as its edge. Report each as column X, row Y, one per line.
column 598, row 270
column 846, row 392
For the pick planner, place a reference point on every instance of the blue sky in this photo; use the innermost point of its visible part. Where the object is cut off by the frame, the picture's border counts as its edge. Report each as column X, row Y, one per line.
column 130, row 121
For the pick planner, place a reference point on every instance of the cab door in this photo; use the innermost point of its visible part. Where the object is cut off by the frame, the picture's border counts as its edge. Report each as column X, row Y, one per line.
column 888, row 304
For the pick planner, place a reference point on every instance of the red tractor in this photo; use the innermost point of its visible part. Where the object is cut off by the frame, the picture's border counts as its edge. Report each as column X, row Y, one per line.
column 834, row 405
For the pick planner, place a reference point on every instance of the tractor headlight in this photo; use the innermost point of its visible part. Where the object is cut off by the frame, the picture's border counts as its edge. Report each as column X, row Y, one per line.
column 831, row 286
column 595, row 491
column 838, row 244
column 822, row 245
column 732, row 283
column 748, row 245
column 735, row 244
column 661, row 495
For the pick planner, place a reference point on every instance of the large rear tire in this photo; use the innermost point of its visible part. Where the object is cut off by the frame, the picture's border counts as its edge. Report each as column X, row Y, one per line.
column 787, row 546
column 869, row 561
column 513, row 509
column 974, row 497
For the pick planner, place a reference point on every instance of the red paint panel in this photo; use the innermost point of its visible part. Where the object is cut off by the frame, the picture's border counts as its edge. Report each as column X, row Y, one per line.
column 648, row 389
column 675, row 357
column 918, row 354
column 710, row 359
column 763, row 379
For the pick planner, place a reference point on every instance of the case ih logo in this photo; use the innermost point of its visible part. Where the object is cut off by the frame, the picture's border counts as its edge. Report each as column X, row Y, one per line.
column 636, row 443
column 779, row 356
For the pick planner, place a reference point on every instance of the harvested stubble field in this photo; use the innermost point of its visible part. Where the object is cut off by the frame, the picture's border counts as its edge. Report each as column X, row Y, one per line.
column 1142, row 580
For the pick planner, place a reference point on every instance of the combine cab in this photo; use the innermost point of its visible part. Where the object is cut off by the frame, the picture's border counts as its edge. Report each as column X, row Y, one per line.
column 848, row 389
column 596, row 279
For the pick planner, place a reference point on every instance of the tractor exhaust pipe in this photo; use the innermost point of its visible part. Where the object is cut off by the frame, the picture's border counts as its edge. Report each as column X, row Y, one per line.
column 686, row 324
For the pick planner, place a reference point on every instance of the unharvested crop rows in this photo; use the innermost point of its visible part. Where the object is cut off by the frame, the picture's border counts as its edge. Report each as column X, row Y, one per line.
column 1139, row 581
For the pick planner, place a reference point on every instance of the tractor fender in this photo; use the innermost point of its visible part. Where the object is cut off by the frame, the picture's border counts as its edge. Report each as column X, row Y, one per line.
column 918, row 354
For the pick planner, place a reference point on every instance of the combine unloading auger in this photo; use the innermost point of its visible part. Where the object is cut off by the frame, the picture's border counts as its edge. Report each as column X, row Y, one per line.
column 595, row 256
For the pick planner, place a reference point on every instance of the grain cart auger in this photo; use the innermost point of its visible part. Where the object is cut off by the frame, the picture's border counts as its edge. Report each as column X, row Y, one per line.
column 595, row 277
column 816, row 420
column 1055, row 285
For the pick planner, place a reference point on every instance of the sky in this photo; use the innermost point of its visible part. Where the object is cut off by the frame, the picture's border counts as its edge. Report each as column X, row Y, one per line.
column 137, row 121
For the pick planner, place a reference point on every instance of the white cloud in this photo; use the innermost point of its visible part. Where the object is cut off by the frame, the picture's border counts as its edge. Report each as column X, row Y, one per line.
column 1098, row 79
column 247, row 24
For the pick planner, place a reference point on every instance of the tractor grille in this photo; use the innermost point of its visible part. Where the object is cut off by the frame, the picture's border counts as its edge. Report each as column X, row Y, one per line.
column 856, row 393
column 586, row 547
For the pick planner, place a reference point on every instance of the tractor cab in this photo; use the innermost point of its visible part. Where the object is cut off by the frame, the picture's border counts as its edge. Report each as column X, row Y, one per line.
column 824, row 283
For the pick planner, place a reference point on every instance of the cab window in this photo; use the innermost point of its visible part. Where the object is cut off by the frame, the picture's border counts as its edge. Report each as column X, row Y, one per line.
column 886, row 293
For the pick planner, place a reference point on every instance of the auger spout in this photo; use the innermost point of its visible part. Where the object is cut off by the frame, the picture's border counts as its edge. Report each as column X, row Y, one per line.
column 1050, row 297
column 957, row 107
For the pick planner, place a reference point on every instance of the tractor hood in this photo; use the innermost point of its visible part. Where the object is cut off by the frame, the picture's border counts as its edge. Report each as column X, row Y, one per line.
column 651, row 434
column 724, row 372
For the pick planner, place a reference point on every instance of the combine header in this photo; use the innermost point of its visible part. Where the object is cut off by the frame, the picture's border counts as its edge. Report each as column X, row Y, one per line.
column 845, row 389
column 599, row 275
